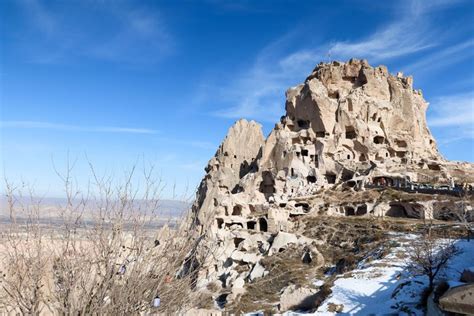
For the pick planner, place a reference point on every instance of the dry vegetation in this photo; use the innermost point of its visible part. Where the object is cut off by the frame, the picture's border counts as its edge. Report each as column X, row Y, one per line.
column 284, row 268
column 344, row 243
column 100, row 258
column 108, row 251
column 347, row 241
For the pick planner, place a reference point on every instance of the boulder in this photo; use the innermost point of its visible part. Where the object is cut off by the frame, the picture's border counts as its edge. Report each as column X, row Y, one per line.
column 258, row 271
column 294, row 297
column 239, row 283
column 281, row 240
column 459, row 300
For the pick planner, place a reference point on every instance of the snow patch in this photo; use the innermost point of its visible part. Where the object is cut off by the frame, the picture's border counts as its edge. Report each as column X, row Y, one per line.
column 384, row 287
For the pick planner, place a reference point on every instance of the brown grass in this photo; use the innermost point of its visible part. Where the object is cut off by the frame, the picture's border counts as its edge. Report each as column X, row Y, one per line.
column 285, row 268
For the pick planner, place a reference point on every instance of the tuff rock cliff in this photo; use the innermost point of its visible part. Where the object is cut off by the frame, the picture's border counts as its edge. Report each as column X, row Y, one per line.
column 348, row 129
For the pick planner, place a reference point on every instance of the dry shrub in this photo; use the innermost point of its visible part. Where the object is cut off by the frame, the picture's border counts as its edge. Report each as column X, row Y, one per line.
column 428, row 256
column 107, row 251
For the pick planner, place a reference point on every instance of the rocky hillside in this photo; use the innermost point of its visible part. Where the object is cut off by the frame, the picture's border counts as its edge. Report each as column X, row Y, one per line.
column 353, row 142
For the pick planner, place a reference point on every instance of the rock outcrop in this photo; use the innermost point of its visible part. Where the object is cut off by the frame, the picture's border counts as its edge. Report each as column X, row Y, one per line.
column 347, row 129
column 236, row 157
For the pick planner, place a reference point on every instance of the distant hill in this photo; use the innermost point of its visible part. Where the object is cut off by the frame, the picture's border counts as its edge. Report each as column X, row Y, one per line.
column 166, row 208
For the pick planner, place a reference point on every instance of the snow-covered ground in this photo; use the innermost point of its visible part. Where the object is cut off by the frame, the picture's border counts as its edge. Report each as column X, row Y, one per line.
column 383, row 287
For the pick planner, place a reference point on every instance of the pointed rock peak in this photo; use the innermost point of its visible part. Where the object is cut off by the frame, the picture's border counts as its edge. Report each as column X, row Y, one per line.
column 244, row 138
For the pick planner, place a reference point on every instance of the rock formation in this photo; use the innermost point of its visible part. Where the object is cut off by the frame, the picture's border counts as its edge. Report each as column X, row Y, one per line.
column 236, row 157
column 349, row 128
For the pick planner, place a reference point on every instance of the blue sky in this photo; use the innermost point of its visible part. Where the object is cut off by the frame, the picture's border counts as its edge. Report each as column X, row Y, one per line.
column 116, row 82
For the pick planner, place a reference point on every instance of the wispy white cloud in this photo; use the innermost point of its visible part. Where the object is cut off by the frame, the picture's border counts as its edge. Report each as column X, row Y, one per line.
column 444, row 57
column 110, row 31
column 423, row 6
column 452, row 111
column 141, row 37
column 74, row 128
column 456, row 136
column 452, row 118
column 258, row 93
column 395, row 40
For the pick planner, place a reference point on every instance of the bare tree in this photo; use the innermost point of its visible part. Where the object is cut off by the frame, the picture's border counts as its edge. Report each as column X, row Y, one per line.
column 428, row 256
column 106, row 250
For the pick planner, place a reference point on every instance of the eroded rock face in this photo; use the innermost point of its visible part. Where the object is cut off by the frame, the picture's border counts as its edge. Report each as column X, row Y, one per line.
column 344, row 119
column 235, row 158
column 347, row 128
column 362, row 108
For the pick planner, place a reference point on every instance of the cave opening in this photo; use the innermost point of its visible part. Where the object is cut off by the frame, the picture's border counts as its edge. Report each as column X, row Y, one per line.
column 262, row 223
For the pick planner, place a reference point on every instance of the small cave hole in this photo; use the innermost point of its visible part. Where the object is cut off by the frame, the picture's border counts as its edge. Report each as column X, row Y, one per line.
column 331, row 178
column 304, row 124
column 311, row 179
column 351, row 183
column 320, row 134
column 238, row 241
column 434, row 167
column 262, row 223
column 401, row 143
column 307, row 258
column 267, row 185
column 350, row 132
column 228, row 262
column 379, row 139
column 361, row 210
column 396, row 210
column 349, row 211
column 221, row 300
column 237, row 210
column 333, row 94
column 251, row 225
